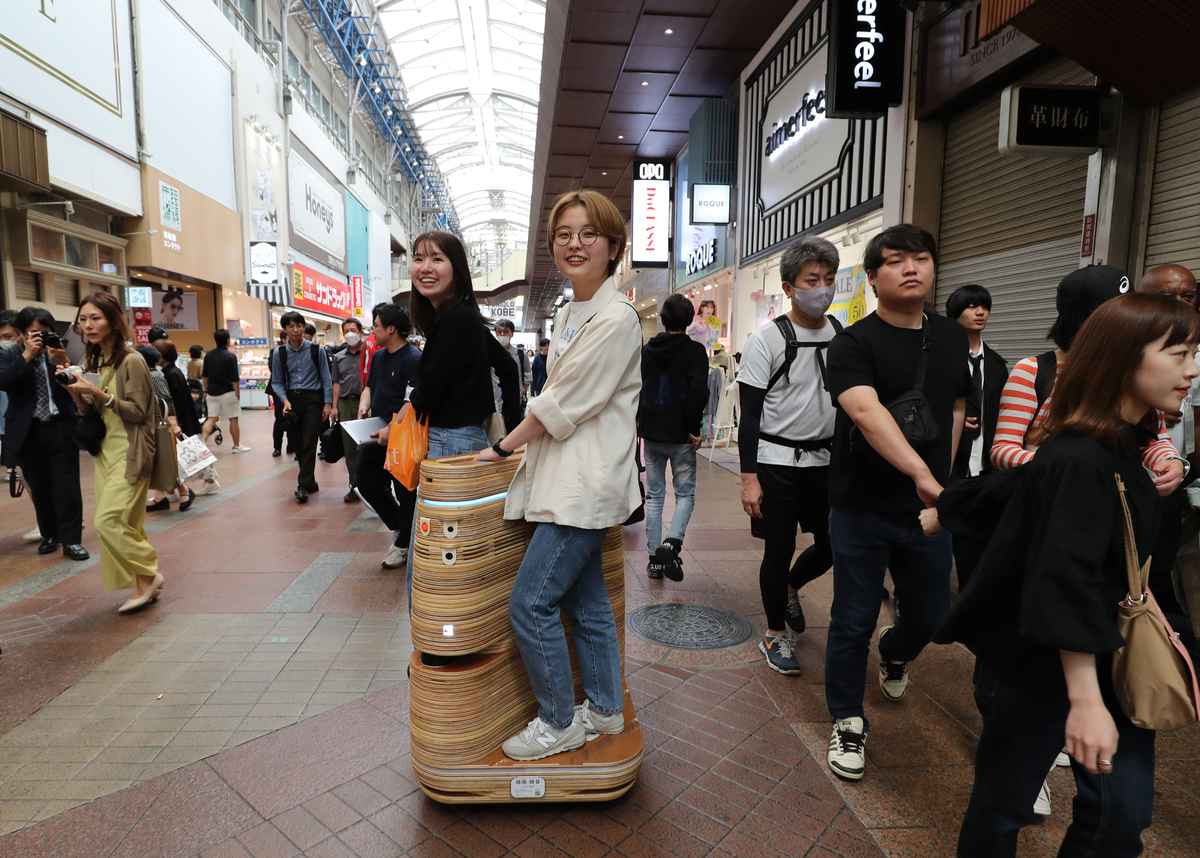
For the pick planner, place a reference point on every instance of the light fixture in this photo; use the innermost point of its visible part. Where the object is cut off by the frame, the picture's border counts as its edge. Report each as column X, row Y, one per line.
column 377, row 89
column 668, row 32
column 387, row 112
column 362, row 61
column 645, row 83
column 604, row 172
column 620, row 136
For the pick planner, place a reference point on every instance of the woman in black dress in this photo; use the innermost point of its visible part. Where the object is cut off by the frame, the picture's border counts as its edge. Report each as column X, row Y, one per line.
column 1041, row 615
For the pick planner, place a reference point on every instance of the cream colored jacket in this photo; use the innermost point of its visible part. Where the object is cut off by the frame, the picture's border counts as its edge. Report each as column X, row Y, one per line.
column 582, row 472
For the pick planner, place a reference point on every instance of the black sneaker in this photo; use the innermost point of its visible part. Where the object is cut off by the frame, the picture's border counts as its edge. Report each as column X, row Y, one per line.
column 795, row 613
column 654, row 570
column 300, row 495
column 275, row 454
column 668, row 555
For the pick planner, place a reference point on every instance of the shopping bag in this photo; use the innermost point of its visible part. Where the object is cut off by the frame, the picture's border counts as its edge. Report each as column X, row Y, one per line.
column 194, row 456
column 408, row 443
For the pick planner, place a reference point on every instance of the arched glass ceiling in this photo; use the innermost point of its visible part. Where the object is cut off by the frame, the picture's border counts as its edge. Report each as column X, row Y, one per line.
column 472, row 71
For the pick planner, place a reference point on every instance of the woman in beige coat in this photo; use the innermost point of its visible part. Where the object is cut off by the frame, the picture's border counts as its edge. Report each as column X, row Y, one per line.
column 126, row 403
column 578, row 479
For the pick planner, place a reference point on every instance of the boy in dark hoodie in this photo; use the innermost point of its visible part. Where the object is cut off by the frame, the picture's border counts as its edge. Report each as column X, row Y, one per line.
column 674, row 393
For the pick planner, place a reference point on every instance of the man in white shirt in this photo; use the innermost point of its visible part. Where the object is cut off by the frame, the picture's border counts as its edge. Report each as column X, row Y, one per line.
column 785, row 437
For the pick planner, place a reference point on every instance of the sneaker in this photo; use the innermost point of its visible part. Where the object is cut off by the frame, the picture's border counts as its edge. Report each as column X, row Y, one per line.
column 893, row 675
column 395, row 557
column 34, row 535
column 654, row 569
column 848, row 749
column 240, row 449
column 665, row 561
column 795, row 613
column 1041, row 806
column 675, row 570
column 351, row 496
column 540, row 740
column 778, row 651
column 300, row 495
column 275, row 454
column 595, row 724
column 1062, row 760
column 210, row 487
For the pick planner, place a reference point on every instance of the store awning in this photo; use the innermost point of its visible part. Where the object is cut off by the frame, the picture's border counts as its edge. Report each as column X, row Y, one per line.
column 1145, row 48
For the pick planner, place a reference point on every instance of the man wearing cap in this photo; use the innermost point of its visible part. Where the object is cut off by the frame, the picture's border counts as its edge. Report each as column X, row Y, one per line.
column 1025, row 405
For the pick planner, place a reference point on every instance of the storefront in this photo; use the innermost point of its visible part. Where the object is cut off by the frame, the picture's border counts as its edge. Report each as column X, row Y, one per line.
column 186, row 249
column 801, row 171
column 1169, row 218
column 703, row 255
column 319, row 294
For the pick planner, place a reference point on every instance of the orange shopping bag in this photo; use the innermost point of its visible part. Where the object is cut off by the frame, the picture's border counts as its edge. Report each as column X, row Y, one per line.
column 408, row 442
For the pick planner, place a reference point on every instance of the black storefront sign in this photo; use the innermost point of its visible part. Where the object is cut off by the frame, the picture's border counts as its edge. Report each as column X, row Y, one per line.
column 1059, row 116
column 866, row 57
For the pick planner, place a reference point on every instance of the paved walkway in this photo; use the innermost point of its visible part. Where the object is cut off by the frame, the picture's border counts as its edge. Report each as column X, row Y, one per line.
column 261, row 708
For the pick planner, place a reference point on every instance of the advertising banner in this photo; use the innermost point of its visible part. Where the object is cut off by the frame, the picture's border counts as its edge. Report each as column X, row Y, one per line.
column 317, row 209
column 174, row 309
column 312, row 290
column 651, row 246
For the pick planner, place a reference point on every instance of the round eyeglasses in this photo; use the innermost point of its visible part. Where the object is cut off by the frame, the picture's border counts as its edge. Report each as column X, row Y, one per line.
column 587, row 236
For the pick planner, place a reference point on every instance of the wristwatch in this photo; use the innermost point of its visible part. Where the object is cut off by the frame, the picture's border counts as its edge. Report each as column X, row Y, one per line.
column 502, row 453
column 1187, row 466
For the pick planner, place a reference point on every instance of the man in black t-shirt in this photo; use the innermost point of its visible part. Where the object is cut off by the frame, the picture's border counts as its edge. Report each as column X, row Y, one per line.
column 881, row 483
column 393, row 371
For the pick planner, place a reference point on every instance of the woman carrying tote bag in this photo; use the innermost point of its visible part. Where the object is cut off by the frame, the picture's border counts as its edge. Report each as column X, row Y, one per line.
column 1041, row 611
column 578, row 478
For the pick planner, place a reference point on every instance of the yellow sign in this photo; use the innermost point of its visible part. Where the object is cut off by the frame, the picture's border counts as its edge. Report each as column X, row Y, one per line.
column 850, row 294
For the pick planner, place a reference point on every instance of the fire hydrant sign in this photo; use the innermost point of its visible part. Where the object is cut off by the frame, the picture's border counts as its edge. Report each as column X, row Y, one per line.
column 312, row 290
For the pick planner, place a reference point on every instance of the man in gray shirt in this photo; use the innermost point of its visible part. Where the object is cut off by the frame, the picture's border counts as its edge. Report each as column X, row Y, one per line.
column 348, row 367
column 301, row 381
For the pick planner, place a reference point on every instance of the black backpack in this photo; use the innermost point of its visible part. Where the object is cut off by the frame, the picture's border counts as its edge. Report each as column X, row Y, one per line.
column 791, row 346
column 313, row 349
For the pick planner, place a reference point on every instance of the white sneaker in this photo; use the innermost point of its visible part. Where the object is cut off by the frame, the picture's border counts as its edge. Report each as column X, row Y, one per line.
column 848, row 749
column 1042, row 805
column 1062, row 760
column 594, row 724
column 241, row 449
column 210, row 487
column 539, row 740
column 395, row 557
column 34, row 535
column 893, row 675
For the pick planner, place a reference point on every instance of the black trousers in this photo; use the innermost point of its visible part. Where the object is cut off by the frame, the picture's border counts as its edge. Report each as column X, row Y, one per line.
column 49, row 460
column 791, row 496
column 393, row 503
column 281, row 428
column 306, row 428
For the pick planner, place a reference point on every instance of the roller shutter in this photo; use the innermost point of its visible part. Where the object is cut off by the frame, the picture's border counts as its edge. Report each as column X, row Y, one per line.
column 1010, row 223
column 1173, row 228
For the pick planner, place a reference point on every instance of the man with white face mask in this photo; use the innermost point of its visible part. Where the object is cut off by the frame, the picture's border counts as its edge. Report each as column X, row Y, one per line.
column 504, row 336
column 785, row 438
column 349, row 366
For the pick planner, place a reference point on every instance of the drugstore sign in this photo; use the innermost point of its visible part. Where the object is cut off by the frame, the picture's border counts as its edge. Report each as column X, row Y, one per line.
column 312, row 290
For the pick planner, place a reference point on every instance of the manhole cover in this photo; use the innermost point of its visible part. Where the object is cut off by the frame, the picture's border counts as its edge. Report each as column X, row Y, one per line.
column 690, row 626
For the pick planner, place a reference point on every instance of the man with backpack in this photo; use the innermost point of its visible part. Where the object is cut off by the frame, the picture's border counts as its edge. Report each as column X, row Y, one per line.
column 785, row 439
column 301, row 379
column 670, row 410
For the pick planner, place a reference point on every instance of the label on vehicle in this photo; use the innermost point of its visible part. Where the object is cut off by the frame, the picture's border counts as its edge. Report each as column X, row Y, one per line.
column 528, row 787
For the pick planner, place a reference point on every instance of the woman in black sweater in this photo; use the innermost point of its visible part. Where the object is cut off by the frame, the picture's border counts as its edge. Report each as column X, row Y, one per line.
column 454, row 387
column 1041, row 611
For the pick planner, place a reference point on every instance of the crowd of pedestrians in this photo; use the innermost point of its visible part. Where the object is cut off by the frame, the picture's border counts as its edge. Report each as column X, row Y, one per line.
column 991, row 500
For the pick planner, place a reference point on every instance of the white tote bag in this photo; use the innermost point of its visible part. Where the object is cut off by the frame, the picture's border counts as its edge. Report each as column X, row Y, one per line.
column 194, row 456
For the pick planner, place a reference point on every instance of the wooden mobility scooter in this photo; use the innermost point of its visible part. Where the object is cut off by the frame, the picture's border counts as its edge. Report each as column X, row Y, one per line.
column 464, row 565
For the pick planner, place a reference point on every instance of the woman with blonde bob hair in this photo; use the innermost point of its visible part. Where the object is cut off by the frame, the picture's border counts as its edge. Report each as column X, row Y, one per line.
column 1040, row 612
column 578, row 479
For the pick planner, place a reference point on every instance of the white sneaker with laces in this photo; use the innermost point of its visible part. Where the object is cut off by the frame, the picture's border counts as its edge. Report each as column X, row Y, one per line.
column 848, row 749
column 210, row 487
column 395, row 557
column 893, row 675
column 1041, row 806
column 240, row 449
column 539, row 740
column 34, row 535
column 595, row 724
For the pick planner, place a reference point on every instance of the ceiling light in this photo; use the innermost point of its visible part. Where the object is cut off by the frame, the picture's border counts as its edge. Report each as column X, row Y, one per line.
column 377, row 89
column 604, row 173
column 362, row 61
column 668, row 32
column 387, row 112
column 645, row 83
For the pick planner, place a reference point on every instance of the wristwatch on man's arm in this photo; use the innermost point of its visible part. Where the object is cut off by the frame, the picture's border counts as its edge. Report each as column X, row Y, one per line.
column 500, row 451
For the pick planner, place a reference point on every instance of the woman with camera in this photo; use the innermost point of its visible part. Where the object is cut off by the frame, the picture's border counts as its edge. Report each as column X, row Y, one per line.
column 124, row 399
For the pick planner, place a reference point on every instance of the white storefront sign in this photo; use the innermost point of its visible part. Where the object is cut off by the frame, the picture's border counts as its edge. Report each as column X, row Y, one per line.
column 651, row 246
column 317, row 209
column 710, row 204
column 801, row 146
column 512, row 310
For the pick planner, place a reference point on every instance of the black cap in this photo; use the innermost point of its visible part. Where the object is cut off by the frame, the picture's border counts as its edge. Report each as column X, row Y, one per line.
column 156, row 333
column 1085, row 289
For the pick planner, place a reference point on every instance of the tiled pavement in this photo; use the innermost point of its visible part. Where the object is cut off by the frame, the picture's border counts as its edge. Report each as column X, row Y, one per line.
column 261, row 710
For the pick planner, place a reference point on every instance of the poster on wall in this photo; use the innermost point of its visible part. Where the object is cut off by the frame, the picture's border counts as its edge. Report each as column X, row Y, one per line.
column 312, row 290
column 174, row 309
column 849, row 295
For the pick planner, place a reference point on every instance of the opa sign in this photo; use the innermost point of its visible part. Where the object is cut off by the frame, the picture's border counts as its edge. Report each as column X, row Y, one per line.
column 651, row 247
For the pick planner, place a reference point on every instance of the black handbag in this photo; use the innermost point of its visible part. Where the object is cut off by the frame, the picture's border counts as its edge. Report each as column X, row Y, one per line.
column 911, row 409
column 639, row 514
column 89, row 431
column 332, row 444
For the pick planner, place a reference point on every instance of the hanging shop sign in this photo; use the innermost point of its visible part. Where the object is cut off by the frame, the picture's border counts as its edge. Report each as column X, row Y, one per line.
column 866, row 62
column 801, row 145
column 138, row 296
column 312, row 290
column 264, row 263
column 710, row 204
column 651, row 245
column 701, row 256
column 1055, row 120
column 356, row 289
column 317, row 208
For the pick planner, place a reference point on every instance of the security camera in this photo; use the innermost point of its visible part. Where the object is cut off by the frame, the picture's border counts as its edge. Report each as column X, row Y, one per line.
column 69, row 208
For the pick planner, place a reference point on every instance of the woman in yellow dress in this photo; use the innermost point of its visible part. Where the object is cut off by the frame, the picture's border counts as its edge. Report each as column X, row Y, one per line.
column 125, row 401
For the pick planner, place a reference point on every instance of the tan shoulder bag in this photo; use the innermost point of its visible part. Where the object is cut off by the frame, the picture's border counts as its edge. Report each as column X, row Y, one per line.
column 1153, row 674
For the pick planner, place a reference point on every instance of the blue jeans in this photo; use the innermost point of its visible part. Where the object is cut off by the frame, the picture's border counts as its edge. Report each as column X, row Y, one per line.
column 562, row 569
column 683, row 476
column 443, row 442
column 1022, row 733
column 865, row 546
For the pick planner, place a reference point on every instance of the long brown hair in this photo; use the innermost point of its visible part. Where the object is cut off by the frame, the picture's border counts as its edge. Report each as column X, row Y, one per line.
column 420, row 307
column 1105, row 356
column 118, row 330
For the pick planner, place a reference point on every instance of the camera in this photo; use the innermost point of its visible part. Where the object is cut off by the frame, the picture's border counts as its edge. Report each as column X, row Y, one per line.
column 50, row 339
column 68, row 375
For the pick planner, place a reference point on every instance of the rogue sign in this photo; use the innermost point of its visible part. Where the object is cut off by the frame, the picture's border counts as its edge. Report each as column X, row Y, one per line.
column 866, row 57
